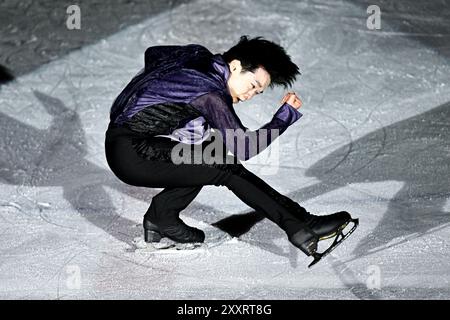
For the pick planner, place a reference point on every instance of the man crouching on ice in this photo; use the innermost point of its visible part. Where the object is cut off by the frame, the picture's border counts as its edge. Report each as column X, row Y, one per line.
column 177, row 98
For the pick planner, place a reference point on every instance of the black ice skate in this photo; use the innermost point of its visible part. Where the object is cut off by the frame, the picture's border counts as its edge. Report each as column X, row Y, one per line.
column 176, row 230
column 322, row 228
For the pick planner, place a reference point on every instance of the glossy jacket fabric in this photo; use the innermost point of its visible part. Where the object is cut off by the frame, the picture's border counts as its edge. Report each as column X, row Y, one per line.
column 176, row 74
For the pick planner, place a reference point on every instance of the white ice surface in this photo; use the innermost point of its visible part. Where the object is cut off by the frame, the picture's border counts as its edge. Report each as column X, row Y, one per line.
column 374, row 141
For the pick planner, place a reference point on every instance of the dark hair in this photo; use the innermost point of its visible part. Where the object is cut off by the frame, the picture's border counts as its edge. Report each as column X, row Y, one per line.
column 257, row 52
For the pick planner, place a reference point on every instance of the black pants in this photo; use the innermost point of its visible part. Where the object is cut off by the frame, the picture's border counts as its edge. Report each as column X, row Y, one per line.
column 182, row 182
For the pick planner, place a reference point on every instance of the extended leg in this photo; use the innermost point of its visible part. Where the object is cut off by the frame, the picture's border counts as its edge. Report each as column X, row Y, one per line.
column 303, row 229
column 131, row 168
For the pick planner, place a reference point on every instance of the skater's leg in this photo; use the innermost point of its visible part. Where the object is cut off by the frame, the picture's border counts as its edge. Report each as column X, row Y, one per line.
column 162, row 217
column 134, row 170
column 182, row 183
column 131, row 168
column 167, row 204
column 256, row 193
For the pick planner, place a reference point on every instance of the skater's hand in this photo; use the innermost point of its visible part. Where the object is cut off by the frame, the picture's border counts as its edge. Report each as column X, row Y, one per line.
column 292, row 99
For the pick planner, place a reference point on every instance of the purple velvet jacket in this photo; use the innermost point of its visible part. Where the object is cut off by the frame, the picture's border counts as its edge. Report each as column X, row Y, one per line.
column 182, row 92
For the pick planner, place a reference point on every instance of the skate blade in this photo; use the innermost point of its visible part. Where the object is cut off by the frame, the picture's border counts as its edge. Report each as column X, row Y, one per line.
column 169, row 245
column 342, row 227
column 164, row 245
column 318, row 256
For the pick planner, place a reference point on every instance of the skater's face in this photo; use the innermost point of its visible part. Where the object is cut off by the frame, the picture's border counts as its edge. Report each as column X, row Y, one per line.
column 244, row 85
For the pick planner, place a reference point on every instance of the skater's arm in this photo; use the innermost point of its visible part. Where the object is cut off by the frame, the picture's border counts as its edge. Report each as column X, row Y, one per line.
column 241, row 141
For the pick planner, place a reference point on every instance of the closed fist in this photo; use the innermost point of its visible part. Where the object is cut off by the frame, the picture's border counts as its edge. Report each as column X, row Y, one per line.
column 292, row 99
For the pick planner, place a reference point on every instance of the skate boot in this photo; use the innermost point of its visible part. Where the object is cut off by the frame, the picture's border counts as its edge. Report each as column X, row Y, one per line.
column 175, row 230
column 321, row 228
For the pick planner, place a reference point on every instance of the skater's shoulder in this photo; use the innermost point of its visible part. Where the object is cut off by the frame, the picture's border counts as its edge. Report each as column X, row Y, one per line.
column 175, row 51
